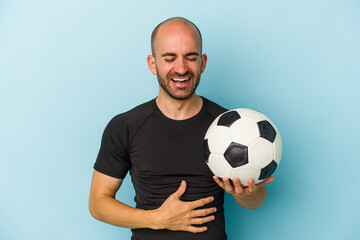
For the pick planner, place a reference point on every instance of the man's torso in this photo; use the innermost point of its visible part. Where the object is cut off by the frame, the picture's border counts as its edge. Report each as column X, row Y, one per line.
column 160, row 153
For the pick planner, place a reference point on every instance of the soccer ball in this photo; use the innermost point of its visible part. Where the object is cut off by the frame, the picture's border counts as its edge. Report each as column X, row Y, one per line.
column 242, row 143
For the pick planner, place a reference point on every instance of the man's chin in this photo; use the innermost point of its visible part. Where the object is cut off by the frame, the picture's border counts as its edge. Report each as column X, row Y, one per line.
column 178, row 97
column 179, row 93
column 182, row 96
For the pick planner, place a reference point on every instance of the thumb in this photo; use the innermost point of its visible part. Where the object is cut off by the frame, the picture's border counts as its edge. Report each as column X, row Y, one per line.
column 181, row 190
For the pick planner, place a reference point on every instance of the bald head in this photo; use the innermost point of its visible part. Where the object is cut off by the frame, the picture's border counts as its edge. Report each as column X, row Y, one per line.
column 176, row 21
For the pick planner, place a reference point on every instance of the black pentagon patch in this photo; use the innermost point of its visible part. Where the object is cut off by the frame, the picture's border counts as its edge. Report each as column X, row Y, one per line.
column 206, row 150
column 268, row 170
column 267, row 131
column 236, row 155
column 228, row 118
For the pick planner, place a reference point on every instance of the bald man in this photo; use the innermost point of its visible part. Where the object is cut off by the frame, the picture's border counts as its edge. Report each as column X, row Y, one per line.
column 160, row 144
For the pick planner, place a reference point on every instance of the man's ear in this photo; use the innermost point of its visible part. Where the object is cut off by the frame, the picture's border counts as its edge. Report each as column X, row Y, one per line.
column 203, row 62
column 151, row 64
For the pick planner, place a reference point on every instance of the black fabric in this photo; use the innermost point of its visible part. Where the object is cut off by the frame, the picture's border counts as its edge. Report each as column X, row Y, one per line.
column 160, row 152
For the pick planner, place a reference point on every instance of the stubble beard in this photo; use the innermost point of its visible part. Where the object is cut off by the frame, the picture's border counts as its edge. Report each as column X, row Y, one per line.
column 172, row 93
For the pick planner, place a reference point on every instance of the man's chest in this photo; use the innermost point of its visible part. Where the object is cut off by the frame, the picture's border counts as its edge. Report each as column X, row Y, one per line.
column 164, row 149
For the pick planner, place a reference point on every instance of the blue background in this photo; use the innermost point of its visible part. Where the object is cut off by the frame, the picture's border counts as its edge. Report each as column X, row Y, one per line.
column 67, row 67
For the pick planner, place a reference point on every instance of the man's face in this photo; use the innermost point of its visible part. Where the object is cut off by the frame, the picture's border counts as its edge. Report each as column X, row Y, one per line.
column 177, row 60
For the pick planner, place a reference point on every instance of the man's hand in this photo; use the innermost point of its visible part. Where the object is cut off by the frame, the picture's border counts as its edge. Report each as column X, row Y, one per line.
column 251, row 196
column 177, row 215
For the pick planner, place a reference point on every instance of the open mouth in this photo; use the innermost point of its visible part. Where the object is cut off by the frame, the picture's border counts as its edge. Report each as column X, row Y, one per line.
column 180, row 79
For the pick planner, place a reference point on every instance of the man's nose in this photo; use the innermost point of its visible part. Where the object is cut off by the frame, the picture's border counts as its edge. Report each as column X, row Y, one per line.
column 181, row 67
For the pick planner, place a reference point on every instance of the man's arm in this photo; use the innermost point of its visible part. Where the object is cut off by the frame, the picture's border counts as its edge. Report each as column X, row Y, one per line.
column 173, row 214
column 104, row 207
column 251, row 197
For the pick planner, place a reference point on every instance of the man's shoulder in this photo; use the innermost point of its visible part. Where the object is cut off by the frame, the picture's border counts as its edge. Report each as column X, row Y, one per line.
column 134, row 116
column 142, row 110
column 213, row 108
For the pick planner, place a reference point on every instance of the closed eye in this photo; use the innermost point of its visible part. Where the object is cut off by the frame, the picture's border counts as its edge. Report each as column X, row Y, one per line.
column 192, row 56
column 192, row 59
column 169, row 60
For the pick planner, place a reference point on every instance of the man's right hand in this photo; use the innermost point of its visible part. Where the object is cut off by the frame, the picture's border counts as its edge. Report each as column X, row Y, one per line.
column 177, row 215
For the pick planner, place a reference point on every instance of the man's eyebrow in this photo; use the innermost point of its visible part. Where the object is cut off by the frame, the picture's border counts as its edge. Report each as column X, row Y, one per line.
column 169, row 54
column 192, row 54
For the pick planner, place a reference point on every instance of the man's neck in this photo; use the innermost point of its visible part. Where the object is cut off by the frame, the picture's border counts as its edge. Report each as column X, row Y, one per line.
column 179, row 109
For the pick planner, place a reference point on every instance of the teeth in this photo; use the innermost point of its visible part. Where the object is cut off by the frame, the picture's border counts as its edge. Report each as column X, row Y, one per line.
column 180, row 79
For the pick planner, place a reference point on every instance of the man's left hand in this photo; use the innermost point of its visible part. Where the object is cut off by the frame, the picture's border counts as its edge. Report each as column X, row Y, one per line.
column 251, row 196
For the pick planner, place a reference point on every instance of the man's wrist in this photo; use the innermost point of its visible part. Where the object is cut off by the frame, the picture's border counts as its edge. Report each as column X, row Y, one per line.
column 154, row 219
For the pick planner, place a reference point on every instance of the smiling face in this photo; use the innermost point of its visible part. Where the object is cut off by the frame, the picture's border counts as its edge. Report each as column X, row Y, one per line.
column 177, row 59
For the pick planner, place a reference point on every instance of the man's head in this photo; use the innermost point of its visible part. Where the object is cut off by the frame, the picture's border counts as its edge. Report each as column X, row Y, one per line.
column 174, row 19
column 177, row 57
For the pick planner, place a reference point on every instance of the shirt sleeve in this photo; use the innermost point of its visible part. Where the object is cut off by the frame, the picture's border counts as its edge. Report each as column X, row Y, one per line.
column 113, row 157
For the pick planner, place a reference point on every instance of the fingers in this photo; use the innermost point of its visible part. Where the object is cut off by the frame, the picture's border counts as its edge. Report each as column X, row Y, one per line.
column 175, row 214
column 251, row 186
column 195, row 204
column 199, row 217
column 203, row 212
column 229, row 187
column 181, row 190
column 201, row 202
column 238, row 187
column 268, row 180
column 203, row 220
column 225, row 184
column 195, row 229
column 219, row 182
column 202, row 216
column 235, row 188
